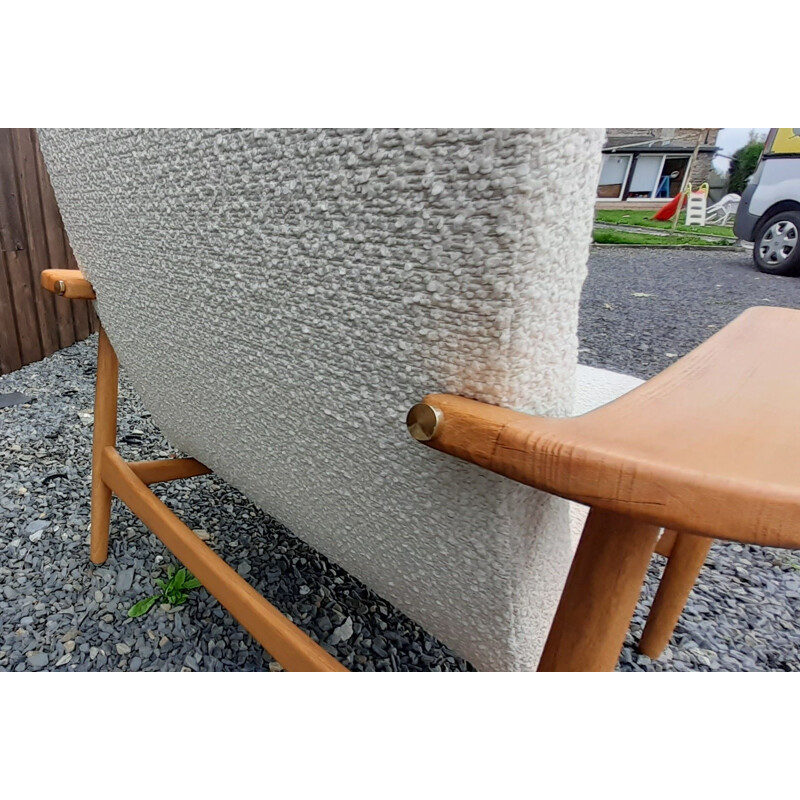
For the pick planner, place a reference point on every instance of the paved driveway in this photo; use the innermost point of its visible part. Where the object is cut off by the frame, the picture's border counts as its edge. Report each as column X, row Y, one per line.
column 643, row 309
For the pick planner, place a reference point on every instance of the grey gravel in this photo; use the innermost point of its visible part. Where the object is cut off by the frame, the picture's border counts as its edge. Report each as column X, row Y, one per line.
column 52, row 596
column 36, row 525
column 13, row 399
column 124, row 580
column 641, row 309
column 38, row 659
column 342, row 633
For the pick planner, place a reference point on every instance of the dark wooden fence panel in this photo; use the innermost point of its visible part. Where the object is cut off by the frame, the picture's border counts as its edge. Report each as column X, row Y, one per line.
column 33, row 323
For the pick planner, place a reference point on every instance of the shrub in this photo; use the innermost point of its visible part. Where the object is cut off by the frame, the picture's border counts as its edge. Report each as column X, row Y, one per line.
column 743, row 165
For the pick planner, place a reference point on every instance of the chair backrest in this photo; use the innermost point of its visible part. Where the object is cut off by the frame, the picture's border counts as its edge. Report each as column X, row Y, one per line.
column 279, row 298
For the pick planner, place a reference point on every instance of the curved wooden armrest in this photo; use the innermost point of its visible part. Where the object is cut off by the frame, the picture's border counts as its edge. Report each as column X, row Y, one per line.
column 68, row 283
column 708, row 446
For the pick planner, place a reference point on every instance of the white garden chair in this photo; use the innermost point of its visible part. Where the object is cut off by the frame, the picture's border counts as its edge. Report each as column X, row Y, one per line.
column 722, row 211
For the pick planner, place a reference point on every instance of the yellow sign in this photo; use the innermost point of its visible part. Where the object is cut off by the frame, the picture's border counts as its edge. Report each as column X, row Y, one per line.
column 787, row 140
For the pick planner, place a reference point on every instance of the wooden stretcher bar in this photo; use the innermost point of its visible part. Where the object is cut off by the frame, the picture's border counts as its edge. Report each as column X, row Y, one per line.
column 111, row 474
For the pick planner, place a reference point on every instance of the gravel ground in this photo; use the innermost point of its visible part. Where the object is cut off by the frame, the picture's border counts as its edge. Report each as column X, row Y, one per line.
column 58, row 611
column 641, row 310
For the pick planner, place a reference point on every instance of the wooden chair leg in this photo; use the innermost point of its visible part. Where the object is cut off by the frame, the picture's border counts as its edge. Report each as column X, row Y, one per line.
column 280, row 637
column 665, row 543
column 600, row 595
column 105, row 435
column 685, row 562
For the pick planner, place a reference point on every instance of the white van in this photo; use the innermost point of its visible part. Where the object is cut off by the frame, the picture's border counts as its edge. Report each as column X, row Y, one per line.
column 769, row 212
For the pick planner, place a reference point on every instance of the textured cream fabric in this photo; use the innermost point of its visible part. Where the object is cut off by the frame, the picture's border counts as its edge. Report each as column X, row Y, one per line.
column 594, row 388
column 280, row 299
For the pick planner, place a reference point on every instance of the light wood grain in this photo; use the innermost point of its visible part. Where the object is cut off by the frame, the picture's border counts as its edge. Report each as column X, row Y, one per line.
column 168, row 469
column 292, row 648
column 685, row 562
column 105, row 435
column 709, row 446
column 74, row 285
column 600, row 595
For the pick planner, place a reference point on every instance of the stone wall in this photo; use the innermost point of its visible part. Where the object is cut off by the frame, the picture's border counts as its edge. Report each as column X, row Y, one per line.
column 688, row 136
column 701, row 169
column 685, row 137
column 644, row 133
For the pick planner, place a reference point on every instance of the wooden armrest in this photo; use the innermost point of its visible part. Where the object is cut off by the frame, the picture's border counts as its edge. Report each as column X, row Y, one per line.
column 708, row 446
column 68, row 283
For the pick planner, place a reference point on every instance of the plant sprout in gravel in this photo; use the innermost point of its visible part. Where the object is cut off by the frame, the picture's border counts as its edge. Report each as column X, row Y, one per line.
column 175, row 591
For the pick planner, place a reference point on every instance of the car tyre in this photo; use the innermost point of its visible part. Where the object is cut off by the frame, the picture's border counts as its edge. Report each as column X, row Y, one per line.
column 776, row 249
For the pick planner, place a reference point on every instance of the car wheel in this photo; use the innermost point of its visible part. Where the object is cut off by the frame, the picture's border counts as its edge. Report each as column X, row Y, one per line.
column 776, row 250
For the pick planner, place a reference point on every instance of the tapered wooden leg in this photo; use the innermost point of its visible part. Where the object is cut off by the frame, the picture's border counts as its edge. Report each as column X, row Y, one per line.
column 600, row 595
column 105, row 435
column 685, row 562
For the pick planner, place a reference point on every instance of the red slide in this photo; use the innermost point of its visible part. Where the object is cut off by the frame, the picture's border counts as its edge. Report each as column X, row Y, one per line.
column 668, row 211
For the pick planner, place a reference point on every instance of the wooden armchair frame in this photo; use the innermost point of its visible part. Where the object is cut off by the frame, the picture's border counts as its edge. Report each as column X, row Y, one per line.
column 706, row 449
column 628, row 461
column 290, row 646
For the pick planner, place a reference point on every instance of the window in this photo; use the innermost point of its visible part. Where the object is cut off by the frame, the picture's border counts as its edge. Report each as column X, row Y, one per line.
column 644, row 181
column 613, row 176
column 673, row 175
column 642, row 176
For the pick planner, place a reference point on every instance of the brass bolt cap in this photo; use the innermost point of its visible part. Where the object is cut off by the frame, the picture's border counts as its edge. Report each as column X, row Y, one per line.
column 423, row 421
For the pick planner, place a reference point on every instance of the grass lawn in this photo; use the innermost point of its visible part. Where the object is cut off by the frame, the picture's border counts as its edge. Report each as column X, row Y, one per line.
column 642, row 218
column 607, row 236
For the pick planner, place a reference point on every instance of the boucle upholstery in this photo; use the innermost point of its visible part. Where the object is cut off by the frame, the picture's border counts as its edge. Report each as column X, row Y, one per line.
column 594, row 388
column 280, row 298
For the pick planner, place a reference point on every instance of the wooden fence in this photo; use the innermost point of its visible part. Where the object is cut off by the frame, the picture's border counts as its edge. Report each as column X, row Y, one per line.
column 33, row 323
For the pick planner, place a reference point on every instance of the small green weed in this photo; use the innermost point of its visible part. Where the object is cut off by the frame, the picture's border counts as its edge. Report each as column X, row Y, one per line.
column 175, row 590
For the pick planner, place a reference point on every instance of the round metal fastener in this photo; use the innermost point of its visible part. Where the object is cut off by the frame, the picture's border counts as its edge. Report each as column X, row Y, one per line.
column 423, row 421
column 60, row 287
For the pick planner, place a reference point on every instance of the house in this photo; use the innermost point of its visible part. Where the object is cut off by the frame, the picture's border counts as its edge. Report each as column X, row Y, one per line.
column 646, row 166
